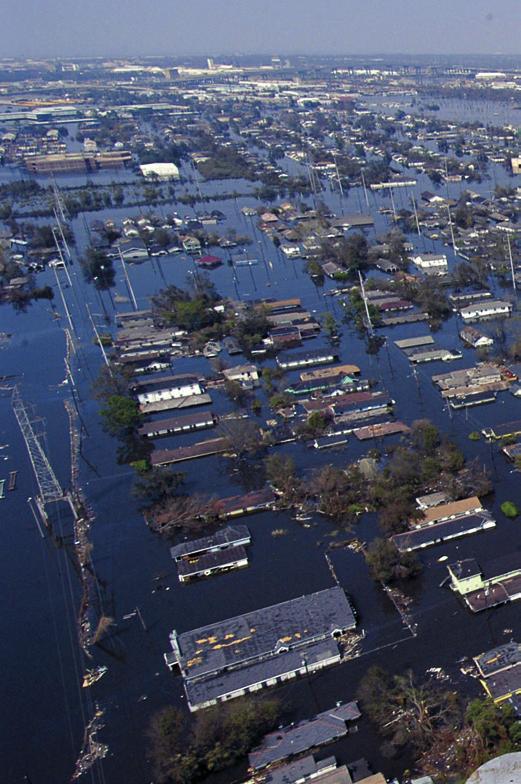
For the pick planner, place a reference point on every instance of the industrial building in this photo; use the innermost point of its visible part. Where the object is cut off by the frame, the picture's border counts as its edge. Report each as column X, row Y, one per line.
column 230, row 658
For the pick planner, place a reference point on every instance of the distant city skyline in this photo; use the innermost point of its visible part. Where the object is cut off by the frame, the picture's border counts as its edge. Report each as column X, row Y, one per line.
column 56, row 28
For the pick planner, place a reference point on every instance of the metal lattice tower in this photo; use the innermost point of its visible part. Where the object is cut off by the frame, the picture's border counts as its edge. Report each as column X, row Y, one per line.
column 58, row 201
column 48, row 484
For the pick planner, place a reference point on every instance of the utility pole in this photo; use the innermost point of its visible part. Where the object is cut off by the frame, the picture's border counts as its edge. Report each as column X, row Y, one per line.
column 58, row 248
column 129, row 285
column 36, row 518
column 67, row 312
column 392, row 203
column 415, row 214
column 142, row 622
column 370, row 328
column 452, row 231
column 511, row 263
column 338, row 178
column 60, row 229
column 98, row 338
column 365, row 188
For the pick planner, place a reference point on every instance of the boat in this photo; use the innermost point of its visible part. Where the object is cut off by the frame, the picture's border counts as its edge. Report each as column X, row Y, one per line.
column 2, row 488
column 92, row 676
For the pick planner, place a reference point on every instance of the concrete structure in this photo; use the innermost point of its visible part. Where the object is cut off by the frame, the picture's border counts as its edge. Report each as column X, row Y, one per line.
column 230, row 658
column 505, row 769
column 57, row 163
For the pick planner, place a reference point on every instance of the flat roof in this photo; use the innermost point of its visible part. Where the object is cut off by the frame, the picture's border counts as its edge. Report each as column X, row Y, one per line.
column 216, row 686
column 439, row 532
column 498, row 658
column 504, row 683
column 421, row 340
column 224, row 537
column 506, row 429
column 178, row 423
column 292, row 740
column 463, row 506
column 213, row 560
column 264, row 632
column 181, row 379
column 299, row 770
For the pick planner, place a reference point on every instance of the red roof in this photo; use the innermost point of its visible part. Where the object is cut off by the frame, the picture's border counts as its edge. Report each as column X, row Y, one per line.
column 209, row 261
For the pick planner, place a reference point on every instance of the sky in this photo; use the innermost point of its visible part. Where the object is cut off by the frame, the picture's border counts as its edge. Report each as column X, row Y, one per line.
column 76, row 28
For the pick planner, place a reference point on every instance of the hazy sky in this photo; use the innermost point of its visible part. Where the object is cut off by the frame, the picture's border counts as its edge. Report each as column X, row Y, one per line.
column 69, row 28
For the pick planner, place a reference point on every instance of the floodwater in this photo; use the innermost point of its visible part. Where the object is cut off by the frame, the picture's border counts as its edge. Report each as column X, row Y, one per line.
column 44, row 707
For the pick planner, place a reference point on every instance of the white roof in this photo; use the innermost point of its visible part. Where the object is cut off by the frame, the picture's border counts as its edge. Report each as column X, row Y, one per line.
column 159, row 169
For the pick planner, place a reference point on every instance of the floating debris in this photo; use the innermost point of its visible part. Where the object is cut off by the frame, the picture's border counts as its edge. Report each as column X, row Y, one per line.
column 438, row 673
column 92, row 749
column 93, row 675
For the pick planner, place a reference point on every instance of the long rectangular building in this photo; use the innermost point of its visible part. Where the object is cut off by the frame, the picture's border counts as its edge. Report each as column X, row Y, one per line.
column 244, row 653
column 289, row 741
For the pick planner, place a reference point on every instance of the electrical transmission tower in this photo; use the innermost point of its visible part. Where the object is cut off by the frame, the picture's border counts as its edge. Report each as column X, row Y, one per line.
column 60, row 209
column 49, row 488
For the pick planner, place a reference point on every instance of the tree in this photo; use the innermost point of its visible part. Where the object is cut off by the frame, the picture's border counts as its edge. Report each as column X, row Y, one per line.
column 281, row 473
column 120, row 415
column 330, row 325
column 495, row 725
column 408, row 712
column 281, row 400
column 242, row 436
column 236, row 392
column 251, row 328
column 167, row 734
column 98, row 269
column 315, row 425
column 219, row 738
column 157, row 484
column 425, row 436
column 387, row 564
column 189, row 310
column 111, row 381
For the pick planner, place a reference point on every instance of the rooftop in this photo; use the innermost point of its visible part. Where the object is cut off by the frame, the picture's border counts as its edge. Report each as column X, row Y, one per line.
column 264, row 632
column 292, row 740
column 225, row 537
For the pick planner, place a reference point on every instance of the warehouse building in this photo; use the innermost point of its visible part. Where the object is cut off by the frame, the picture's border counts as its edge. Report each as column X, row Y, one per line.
column 261, row 648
